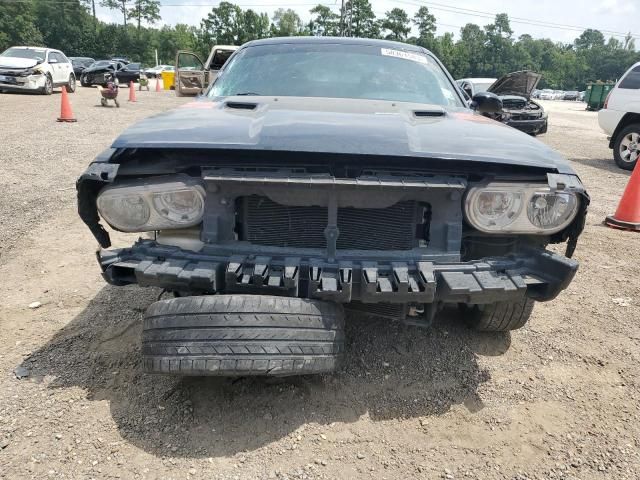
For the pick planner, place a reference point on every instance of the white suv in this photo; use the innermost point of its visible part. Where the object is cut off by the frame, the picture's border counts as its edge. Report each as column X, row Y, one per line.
column 620, row 119
column 35, row 69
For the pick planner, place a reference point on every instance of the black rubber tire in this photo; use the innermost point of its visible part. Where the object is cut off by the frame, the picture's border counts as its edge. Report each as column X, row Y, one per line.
column 71, row 84
column 499, row 316
column 633, row 128
column 240, row 335
column 48, row 88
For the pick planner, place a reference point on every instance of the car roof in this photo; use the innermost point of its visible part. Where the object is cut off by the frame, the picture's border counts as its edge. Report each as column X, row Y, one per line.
column 477, row 80
column 31, row 48
column 337, row 40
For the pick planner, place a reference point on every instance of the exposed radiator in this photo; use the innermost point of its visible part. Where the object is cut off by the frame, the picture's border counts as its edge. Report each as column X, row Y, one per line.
column 513, row 103
column 265, row 222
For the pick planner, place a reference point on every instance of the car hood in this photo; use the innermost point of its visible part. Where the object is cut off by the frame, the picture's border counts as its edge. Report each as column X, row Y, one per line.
column 516, row 83
column 100, row 68
column 13, row 62
column 341, row 126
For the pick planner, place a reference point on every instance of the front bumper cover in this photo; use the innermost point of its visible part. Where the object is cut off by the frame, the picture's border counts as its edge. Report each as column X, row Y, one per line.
column 534, row 272
column 31, row 83
column 528, row 126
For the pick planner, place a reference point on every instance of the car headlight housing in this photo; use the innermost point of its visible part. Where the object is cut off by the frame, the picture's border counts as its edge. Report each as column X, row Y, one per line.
column 520, row 208
column 154, row 204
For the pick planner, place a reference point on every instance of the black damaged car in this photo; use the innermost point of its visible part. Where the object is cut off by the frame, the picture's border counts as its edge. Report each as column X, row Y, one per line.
column 99, row 72
column 515, row 91
column 319, row 175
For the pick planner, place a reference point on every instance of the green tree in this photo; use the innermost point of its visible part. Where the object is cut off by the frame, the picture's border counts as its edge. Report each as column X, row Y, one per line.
column 397, row 23
column 359, row 20
column 18, row 25
column 66, row 26
column 471, row 50
column 324, row 22
column 145, row 10
column 499, row 43
column 629, row 42
column 589, row 39
column 119, row 5
column 286, row 23
column 254, row 25
column 426, row 24
column 223, row 25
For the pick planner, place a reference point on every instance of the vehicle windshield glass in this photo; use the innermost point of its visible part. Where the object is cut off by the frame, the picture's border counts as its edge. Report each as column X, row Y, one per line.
column 481, row 87
column 336, row 71
column 31, row 53
column 101, row 63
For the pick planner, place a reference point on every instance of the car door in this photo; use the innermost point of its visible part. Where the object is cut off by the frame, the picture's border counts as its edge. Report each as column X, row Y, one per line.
column 218, row 57
column 54, row 63
column 190, row 76
column 124, row 74
column 66, row 68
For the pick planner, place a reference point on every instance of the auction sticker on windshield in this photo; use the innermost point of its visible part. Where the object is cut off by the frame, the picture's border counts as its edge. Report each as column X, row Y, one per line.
column 414, row 57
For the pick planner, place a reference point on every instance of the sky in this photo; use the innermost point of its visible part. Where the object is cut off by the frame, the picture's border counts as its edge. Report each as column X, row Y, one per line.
column 563, row 20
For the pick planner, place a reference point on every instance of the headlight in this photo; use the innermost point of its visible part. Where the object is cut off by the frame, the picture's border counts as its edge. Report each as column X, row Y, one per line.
column 156, row 204
column 513, row 208
column 29, row 71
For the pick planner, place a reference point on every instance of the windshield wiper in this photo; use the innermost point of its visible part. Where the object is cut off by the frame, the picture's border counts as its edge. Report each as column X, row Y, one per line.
column 246, row 94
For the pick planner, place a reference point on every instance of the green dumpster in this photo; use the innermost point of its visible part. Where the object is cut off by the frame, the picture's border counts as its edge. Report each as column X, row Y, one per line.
column 596, row 93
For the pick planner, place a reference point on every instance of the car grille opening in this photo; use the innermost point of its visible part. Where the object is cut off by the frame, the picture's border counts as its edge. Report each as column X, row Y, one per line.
column 264, row 222
column 514, row 103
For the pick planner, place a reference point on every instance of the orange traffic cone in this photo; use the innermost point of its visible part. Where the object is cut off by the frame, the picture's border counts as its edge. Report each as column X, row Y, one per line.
column 66, row 114
column 158, row 82
column 627, row 216
column 132, row 92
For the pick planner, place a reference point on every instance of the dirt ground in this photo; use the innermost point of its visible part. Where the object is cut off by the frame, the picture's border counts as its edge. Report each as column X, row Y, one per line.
column 559, row 399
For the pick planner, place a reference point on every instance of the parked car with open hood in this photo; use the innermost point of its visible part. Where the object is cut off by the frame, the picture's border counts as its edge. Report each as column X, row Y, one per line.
column 620, row 119
column 515, row 90
column 35, row 69
column 79, row 64
column 99, row 72
column 318, row 174
column 193, row 75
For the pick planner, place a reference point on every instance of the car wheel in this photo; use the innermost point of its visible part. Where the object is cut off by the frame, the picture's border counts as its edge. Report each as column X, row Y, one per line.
column 238, row 335
column 71, row 84
column 498, row 316
column 48, row 85
column 627, row 147
column 84, row 83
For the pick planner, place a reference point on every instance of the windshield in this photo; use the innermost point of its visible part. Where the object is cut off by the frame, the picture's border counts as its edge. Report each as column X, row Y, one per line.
column 101, row 63
column 337, row 71
column 31, row 53
column 482, row 87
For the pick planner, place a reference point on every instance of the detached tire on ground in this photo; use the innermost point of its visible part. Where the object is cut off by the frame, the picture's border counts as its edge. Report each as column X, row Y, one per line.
column 499, row 316
column 238, row 335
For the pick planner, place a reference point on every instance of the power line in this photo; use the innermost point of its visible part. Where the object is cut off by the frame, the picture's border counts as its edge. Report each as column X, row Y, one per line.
column 519, row 20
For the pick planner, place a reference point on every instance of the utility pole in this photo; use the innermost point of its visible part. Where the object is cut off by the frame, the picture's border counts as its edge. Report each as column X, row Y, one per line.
column 342, row 19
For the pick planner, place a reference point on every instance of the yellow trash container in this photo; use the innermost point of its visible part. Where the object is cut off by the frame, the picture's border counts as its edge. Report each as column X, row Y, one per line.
column 167, row 79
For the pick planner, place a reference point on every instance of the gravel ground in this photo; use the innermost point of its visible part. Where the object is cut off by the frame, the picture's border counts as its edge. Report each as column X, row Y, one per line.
column 558, row 399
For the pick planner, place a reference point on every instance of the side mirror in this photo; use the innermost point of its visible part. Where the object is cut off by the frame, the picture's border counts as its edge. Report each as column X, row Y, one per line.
column 53, row 60
column 486, row 102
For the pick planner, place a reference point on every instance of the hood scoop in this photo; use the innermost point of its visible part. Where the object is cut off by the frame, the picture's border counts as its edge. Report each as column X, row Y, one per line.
column 241, row 105
column 433, row 112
